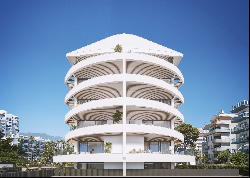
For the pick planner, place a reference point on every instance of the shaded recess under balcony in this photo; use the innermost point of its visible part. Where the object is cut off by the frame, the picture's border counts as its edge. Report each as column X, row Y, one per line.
column 115, row 67
column 114, row 90
column 135, row 115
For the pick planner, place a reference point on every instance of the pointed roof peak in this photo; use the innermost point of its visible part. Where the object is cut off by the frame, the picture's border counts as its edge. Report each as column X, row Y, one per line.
column 221, row 111
column 129, row 43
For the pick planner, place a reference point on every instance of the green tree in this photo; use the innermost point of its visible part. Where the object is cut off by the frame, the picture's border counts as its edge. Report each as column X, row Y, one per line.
column 118, row 48
column 53, row 148
column 224, row 156
column 239, row 158
column 10, row 153
column 49, row 152
column 191, row 134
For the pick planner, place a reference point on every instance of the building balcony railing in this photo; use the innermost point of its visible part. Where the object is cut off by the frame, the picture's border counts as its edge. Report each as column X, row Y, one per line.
column 221, row 140
column 166, row 101
column 221, row 148
column 222, row 129
column 137, row 152
column 240, row 140
column 244, row 149
column 240, row 118
column 237, row 130
column 82, row 101
column 110, row 122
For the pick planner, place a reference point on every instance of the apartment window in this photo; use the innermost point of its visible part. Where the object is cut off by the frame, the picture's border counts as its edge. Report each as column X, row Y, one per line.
column 92, row 147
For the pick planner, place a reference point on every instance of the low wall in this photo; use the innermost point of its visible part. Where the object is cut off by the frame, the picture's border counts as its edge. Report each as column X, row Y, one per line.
column 117, row 172
column 183, row 172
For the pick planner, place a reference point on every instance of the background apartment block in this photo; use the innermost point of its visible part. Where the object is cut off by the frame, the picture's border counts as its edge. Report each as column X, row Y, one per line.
column 201, row 140
column 219, row 137
column 242, row 126
column 9, row 126
column 32, row 146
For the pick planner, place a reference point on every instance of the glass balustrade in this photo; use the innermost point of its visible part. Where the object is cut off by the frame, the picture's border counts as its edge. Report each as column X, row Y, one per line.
column 91, row 147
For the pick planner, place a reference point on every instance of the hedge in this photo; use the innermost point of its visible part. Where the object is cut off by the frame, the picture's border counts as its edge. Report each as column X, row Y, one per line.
column 243, row 170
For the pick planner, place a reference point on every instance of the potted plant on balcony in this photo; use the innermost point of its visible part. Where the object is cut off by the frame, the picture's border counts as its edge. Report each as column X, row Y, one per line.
column 107, row 147
column 117, row 116
column 118, row 48
column 73, row 127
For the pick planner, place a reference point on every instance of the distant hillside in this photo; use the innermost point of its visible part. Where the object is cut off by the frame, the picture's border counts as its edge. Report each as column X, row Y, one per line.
column 43, row 135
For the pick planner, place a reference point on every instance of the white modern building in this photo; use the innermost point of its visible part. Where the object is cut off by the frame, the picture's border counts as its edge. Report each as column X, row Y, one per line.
column 9, row 126
column 219, row 137
column 123, row 105
column 201, row 139
column 33, row 147
column 241, row 129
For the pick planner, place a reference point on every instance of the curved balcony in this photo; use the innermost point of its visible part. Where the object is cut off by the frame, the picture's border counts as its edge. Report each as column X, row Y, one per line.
column 113, row 79
column 116, row 68
column 111, row 157
column 109, row 129
column 116, row 102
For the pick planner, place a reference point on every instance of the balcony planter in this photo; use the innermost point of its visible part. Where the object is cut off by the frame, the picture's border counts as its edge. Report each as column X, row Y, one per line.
column 107, row 147
column 118, row 48
column 117, row 116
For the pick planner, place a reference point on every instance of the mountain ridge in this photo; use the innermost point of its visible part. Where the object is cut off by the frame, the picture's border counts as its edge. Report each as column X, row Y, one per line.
column 43, row 135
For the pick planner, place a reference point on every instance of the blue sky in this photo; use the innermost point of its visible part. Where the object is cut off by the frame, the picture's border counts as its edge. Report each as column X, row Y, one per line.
column 35, row 36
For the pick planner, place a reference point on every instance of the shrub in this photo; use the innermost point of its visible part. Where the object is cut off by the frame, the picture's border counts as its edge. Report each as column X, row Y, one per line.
column 118, row 48
column 243, row 170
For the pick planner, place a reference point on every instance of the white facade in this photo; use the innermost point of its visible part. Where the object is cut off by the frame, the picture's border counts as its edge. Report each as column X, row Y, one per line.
column 9, row 126
column 141, row 82
column 201, row 140
column 33, row 147
column 241, row 129
column 219, row 136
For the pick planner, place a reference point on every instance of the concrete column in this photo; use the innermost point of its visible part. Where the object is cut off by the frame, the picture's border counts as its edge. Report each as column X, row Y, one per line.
column 172, row 147
column 124, row 168
column 124, row 117
column 172, row 81
column 75, row 102
column 172, row 165
column 172, row 102
column 76, row 147
column 172, row 123
column 75, row 81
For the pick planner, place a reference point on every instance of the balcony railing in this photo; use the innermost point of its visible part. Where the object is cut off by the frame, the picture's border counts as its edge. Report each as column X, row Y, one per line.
column 104, row 122
column 240, row 140
column 221, row 148
column 82, row 101
column 240, row 118
column 237, row 130
column 221, row 129
column 221, row 140
column 166, row 101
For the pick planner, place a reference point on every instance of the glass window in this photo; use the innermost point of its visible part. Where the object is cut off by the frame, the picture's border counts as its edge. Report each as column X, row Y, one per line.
column 165, row 147
column 154, row 147
column 95, row 147
column 83, row 147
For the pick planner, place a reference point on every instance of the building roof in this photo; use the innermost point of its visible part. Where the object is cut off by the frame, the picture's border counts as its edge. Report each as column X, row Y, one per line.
column 240, row 106
column 129, row 43
column 223, row 116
